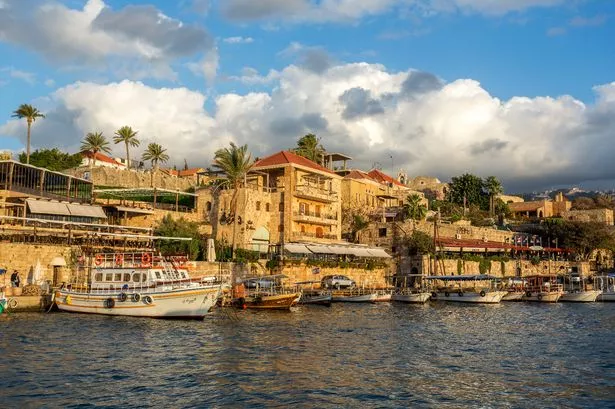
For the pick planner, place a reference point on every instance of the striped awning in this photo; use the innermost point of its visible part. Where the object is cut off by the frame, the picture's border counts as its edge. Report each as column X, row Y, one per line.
column 376, row 252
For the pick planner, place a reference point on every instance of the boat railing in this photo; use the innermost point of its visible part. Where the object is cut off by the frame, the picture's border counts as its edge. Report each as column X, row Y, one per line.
column 545, row 288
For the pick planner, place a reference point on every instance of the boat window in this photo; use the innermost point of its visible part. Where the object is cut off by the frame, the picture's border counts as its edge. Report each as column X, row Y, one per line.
column 158, row 274
column 118, row 277
column 136, row 277
column 126, row 276
column 109, row 277
column 98, row 277
column 183, row 274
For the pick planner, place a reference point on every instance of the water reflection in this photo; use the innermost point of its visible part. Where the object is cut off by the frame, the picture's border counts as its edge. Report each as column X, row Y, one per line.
column 387, row 355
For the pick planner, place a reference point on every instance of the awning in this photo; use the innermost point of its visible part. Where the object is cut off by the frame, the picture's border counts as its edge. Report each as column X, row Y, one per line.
column 132, row 210
column 296, row 248
column 338, row 249
column 378, row 252
column 359, row 252
column 316, row 248
column 95, row 212
column 46, row 207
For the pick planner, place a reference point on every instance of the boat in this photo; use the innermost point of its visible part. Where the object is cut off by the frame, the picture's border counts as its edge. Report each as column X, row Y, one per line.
column 413, row 292
column 515, row 288
column 265, row 293
column 480, row 289
column 138, row 285
column 383, row 295
column 313, row 295
column 576, row 289
column 543, row 288
column 354, row 295
column 606, row 284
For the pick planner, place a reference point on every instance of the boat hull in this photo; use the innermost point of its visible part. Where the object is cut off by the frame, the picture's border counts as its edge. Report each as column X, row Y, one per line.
column 179, row 303
column 416, row 298
column 483, row 297
column 550, row 297
column 385, row 297
column 354, row 298
column 581, row 296
column 272, row 302
column 608, row 297
column 513, row 296
column 319, row 299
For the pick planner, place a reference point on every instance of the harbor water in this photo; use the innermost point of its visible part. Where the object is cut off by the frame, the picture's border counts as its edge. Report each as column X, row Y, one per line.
column 512, row 355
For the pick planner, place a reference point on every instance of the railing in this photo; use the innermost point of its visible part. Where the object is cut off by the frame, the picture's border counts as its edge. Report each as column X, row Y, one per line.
column 549, row 288
column 316, row 193
column 300, row 235
column 314, row 217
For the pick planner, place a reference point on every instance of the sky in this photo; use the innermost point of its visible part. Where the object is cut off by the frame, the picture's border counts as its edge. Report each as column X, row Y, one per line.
column 520, row 89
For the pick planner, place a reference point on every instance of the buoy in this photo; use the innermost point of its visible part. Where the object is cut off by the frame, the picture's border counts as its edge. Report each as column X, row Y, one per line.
column 136, row 297
column 148, row 300
column 68, row 300
column 109, row 303
column 122, row 297
column 98, row 259
column 146, row 260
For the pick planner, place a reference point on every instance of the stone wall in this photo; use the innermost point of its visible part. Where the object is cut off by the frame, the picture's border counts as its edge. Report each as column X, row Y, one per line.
column 363, row 277
column 604, row 216
column 23, row 258
column 105, row 176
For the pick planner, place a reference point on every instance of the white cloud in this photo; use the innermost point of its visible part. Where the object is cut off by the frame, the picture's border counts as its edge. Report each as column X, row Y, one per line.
column 25, row 76
column 238, row 40
column 430, row 127
column 207, row 67
column 50, row 82
column 251, row 76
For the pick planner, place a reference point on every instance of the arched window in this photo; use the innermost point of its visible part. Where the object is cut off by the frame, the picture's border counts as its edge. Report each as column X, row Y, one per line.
column 319, row 232
column 208, row 206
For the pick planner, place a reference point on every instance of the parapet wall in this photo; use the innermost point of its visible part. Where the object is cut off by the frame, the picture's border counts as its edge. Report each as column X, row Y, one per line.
column 105, row 176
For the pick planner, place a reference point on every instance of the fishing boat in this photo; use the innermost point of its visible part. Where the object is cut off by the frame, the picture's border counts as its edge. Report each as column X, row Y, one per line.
column 606, row 284
column 383, row 295
column 356, row 294
column 576, row 289
column 138, row 285
column 515, row 289
column 265, row 293
column 313, row 295
column 543, row 288
column 480, row 289
column 410, row 288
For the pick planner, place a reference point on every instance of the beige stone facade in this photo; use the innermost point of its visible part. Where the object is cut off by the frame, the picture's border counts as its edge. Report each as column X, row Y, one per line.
column 604, row 216
column 110, row 177
column 431, row 187
column 541, row 208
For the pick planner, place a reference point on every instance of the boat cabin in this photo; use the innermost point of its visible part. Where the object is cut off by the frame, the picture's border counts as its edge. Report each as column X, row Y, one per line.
column 543, row 284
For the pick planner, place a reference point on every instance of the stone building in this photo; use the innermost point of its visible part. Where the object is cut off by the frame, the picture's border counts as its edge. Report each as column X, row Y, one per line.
column 604, row 216
column 541, row 208
column 432, row 187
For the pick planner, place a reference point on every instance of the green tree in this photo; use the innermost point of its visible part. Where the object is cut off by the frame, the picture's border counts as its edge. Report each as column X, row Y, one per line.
column 30, row 113
column 420, row 243
column 492, row 187
column 95, row 142
column 155, row 154
column 583, row 203
column 235, row 162
column 168, row 227
column 414, row 207
column 585, row 237
column 309, row 147
column 129, row 137
column 467, row 189
column 359, row 222
column 52, row 159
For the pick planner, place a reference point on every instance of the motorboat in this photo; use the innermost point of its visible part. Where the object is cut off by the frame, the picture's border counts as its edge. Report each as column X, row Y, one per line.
column 383, row 295
column 265, row 293
column 515, row 287
column 576, row 289
column 356, row 294
column 313, row 295
column 411, row 289
column 543, row 288
column 606, row 284
column 137, row 285
column 480, row 289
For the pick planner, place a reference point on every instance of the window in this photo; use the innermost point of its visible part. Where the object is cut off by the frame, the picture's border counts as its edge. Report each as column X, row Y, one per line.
column 109, row 277
column 258, row 205
column 382, row 232
column 208, row 206
column 158, row 276
column 136, row 277
column 281, row 207
column 98, row 277
column 302, row 229
column 317, row 211
column 301, row 208
column 127, row 277
column 319, row 233
column 118, row 277
column 267, row 207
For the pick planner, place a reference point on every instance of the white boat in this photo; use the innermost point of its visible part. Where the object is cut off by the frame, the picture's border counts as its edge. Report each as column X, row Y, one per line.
column 606, row 284
column 354, row 295
column 513, row 296
column 138, row 285
column 410, row 288
column 408, row 296
column 576, row 289
column 515, row 287
column 543, row 288
column 313, row 295
column 480, row 289
column 383, row 296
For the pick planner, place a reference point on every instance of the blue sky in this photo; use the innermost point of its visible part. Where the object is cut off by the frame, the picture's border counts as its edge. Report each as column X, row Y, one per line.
column 503, row 87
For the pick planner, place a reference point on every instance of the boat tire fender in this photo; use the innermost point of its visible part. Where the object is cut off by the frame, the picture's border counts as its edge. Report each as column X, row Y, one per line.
column 12, row 303
column 446, row 294
column 109, row 303
column 136, row 297
column 539, row 297
column 148, row 300
column 434, row 295
column 460, row 293
column 241, row 301
column 122, row 297
column 483, row 293
column 528, row 294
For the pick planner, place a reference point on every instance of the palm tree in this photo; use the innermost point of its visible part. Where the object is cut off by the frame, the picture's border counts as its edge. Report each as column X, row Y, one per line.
column 95, row 142
column 492, row 187
column 235, row 162
column 309, row 147
column 155, row 154
column 129, row 137
column 30, row 113
column 414, row 207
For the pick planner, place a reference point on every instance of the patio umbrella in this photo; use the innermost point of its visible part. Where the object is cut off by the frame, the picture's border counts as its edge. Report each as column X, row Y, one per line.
column 211, row 251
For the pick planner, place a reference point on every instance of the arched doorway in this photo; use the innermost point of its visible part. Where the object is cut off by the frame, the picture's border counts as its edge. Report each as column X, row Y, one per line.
column 260, row 240
column 319, row 232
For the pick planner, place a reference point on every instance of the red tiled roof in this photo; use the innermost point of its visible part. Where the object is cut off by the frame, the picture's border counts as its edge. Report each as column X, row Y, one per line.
column 357, row 174
column 286, row 157
column 101, row 157
column 383, row 177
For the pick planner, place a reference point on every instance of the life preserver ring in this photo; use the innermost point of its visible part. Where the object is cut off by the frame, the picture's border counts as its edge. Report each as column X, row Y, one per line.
column 483, row 293
column 446, row 294
column 98, row 259
column 109, row 303
column 146, row 260
column 122, row 297
column 68, row 300
column 148, row 299
column 12, row 303
column 528, row 294
column 460, row 293
column 119, row 259
column 434, row 295
column 136, row 297
column 539, row 296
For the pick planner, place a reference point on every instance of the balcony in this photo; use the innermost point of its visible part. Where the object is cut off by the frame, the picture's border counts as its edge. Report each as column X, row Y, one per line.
column 315, row 193
column 315, row 218
column 296, row 235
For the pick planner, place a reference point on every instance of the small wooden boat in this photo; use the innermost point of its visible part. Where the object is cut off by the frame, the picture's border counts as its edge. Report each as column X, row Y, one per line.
column 270, row 301
column 606, row 284
column 354, row 295
column 480, row 289
column 543, row 288
column 313, row 295
column 409, row 296
column 265, row 293
column 383, row 295
column 576, row 289
column 410, row 288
